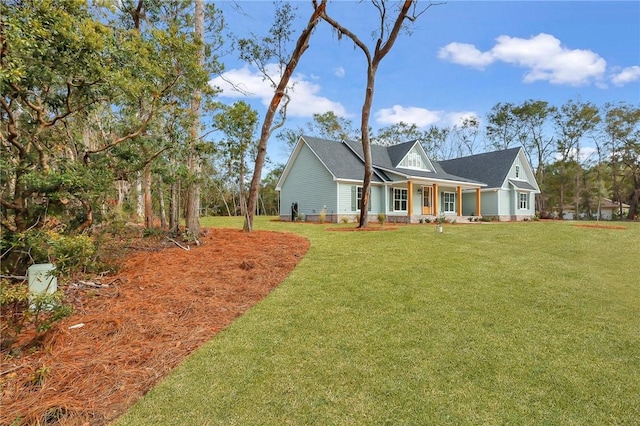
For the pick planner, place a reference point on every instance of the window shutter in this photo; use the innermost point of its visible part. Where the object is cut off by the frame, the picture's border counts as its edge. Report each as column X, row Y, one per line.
column 354, row 195
column 391, row 200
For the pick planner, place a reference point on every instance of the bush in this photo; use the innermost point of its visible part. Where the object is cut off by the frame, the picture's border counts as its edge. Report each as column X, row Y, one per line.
column 344, row 219
column 21, row 311
column 382, row 218
column 322, row 216
column 68, row 252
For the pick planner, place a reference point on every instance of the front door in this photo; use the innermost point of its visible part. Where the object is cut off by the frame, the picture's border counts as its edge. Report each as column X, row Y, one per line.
column 426, row 200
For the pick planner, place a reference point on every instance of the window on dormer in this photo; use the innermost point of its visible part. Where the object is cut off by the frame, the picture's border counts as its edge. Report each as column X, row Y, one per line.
column 413, row 160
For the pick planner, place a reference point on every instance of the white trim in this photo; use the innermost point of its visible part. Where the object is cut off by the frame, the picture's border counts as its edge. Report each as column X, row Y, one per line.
column 444, row 203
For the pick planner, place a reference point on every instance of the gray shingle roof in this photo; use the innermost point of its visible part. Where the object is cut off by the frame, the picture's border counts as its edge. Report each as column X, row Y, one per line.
column 520, row 184
column 338, row 158
column 385, row 159
column 490, row 167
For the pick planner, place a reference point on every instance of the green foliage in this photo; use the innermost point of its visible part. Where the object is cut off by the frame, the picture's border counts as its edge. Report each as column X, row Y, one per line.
column 21, row 311
column 382, row 218
column 68, row 252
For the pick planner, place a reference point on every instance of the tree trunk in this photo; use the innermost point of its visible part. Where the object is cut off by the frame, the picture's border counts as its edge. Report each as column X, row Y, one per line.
column 148, row 206
column 366, row 145
column 301, row 46
column 140, row 199
column 382, row 48
column 163, row 211
column 174, row 207
column 192, row 215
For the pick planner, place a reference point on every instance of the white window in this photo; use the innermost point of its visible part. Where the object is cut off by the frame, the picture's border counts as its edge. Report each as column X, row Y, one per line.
column 449, row 202
column 400, row 197
column 523, row 201
column 413, row 160
column 356, row 198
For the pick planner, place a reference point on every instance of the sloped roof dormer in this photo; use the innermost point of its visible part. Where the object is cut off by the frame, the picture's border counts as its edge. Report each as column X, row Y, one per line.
column 413, row 158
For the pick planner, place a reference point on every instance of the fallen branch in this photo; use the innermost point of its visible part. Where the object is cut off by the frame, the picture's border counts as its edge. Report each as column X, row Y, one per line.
column 14, row 277
column 187, row 248
column 90, row 284
column 17, row 367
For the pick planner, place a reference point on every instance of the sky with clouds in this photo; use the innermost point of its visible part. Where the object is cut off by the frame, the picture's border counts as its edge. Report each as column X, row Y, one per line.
column 459, row 59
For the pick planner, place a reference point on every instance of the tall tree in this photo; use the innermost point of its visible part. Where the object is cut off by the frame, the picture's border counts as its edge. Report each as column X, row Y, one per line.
column 386, row 35
column 574, row 121
column 622, row 126
column 326, row 125
column 534, row 118
column 238, row 123
column 255, row 54
column 504, row 127
column 397, row 133
column 192, row 213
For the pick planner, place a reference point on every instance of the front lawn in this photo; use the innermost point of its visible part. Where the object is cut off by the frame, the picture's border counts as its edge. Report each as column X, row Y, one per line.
column 514, row 323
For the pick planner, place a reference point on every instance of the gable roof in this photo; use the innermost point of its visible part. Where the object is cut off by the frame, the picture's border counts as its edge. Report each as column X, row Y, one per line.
column 491, row 168
column 341, row 162
column 385, row 159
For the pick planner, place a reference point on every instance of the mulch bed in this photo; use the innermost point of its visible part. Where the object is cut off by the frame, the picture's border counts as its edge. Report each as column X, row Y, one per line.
column 600, row 226
column 123, row 338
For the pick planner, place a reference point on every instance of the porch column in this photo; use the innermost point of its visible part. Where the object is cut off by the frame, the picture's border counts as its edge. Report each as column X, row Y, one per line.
column 409, row 199
column 435, row 199
column 478, row 204
column 459, row 197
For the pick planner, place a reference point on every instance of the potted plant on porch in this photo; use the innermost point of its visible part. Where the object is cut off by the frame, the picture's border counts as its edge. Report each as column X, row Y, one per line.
column 440, row 221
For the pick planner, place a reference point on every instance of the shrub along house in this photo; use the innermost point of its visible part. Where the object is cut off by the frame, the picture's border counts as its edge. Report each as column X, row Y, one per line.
column 323, row 178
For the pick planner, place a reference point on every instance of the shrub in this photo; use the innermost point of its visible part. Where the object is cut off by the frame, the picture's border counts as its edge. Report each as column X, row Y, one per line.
column 68, row 252
column 344, row 219
column 20, row 311
column 382, row 218
column 322, row 216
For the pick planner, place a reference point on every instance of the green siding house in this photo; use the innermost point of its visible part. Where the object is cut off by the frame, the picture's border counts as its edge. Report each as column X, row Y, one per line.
column 323, row 178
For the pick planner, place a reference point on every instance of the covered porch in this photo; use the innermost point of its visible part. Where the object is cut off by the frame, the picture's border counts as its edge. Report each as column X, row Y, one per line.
column 412, row 200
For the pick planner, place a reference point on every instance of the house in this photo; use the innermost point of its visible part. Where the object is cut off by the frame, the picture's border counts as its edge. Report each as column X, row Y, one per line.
column 324, row 177
column 609, row 210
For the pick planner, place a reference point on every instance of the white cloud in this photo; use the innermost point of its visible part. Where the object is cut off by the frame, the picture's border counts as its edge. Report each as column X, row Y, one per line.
column 458, row 118
column 249, row 83
column 465, row 54
column 627, row 75
column 411, row 115
column 339, row 72
column 542, row 55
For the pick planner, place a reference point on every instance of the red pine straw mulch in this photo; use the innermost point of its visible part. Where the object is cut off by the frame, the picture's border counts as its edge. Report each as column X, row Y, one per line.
column 600, row 226
column 160, row 308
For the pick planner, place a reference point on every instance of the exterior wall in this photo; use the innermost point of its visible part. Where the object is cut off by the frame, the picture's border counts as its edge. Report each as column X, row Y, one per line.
column 489, row 205
column 346, row 207
column 310, row 185
column 469, row 204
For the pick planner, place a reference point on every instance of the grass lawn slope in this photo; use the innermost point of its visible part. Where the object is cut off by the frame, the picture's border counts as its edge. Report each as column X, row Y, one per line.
column 515, row 323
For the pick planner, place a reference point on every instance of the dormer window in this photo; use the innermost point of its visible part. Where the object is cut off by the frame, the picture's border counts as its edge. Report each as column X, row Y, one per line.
column 413, row 160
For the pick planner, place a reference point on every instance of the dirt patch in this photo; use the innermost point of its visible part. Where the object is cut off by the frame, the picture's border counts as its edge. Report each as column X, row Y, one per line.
column 130, row 332
column 599, row 226
column 368, row 228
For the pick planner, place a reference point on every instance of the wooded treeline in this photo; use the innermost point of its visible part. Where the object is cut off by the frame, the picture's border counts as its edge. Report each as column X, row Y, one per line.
column 101, row 105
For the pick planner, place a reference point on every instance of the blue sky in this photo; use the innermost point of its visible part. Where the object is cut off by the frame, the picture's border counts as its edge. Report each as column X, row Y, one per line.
column 461, row 59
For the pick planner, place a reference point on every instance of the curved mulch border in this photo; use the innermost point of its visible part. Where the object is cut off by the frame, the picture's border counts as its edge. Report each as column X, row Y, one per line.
column 161, row 307
column 600, row 226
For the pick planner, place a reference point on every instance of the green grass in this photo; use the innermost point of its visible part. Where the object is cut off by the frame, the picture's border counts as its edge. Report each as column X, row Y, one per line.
column 518, row 323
